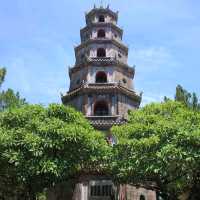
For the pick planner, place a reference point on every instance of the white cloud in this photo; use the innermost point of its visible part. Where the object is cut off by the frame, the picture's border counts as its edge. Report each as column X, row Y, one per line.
column 151, row 59
column 155, row 72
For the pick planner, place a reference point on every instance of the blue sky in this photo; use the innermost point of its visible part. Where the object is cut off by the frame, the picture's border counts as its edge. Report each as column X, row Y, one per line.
column 37, row 40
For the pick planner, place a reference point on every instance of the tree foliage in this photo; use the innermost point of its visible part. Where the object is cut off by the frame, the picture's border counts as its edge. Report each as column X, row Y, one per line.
column 2, row 75
column 187, row 98
column 8, row 98
column 42, row 146
column 161, row 143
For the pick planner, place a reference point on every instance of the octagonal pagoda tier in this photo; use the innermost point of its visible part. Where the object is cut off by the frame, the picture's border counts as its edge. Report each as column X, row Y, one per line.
column 104, row 104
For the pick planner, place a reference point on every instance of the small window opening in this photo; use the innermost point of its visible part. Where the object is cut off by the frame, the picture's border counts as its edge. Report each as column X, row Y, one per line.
column 101, row 18
column 142, row 197
column 101, row 52
column 78, row 82
column 101, row 34
column 101, row 108
column 101, row 77
column 124, row 81
column 101, row 190
column 119, row 55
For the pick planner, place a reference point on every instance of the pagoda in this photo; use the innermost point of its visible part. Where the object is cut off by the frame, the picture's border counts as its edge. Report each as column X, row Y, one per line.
column 101, row 81
column 101, row 86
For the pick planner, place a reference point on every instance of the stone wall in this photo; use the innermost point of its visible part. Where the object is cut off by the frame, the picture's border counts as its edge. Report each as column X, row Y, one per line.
column 114, row 75
column 95, row 19
column 92, row 71
column 109, row 33
column 131, row 192
column 82, row 190
column 77, row 78
column 125, row 104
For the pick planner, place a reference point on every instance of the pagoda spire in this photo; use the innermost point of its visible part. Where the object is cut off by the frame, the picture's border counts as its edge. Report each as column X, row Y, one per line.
column 101, row 4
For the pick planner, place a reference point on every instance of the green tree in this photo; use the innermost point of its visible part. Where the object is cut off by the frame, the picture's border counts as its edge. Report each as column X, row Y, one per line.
column 8, row 98
column 2, row 75
column 43, row 146
column 182, row 95
column 195, row 102
column 188, row 99
column 159, row 143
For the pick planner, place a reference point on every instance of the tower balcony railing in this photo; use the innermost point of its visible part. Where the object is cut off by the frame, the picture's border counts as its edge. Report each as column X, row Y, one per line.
column 101, row 59
column 107, row 38
column 103, row 117
column 104, row 23
column 103, row 84
column 106, row 121
column 100, row 38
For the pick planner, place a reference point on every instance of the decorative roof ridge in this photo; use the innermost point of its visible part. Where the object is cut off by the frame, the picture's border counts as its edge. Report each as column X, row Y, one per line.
column 114, row 64
column 113, row 86
column 117, row 43
column 102, row 24
column 102, row 9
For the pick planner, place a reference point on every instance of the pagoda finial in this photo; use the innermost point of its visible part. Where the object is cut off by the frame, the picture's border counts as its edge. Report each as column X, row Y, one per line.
column 108, row 6
column 94, row 6
column 101, row 4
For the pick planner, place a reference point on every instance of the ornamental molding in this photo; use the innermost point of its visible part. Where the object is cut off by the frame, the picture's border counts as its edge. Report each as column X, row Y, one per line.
column 101, row 10
column 100, row 24
column 91, row 62
column 99, row 88
column 102, row 41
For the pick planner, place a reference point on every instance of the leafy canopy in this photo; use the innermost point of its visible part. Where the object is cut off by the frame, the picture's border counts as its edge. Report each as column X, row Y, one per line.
column 8, row 98
column 41, row 146
column 189, row 99
column 2, row 75
column 160, row 142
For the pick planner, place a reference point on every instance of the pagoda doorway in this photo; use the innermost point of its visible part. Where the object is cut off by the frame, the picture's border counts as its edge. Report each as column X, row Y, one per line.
column 101, row 108
column 101, row 77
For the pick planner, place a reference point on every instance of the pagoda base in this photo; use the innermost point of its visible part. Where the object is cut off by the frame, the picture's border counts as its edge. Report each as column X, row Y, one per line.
column 101, row 187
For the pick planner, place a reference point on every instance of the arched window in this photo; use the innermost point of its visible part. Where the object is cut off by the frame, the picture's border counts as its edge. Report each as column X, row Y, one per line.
column 124, row 80
column 101, row 108
column 101, row 52
column 142, row 197
column 101, row 33
column 101, row 77
column 101, row 18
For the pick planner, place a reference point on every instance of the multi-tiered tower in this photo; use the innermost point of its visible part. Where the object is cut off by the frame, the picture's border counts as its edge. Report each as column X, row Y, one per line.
column 101, row 86
column 101, row 82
